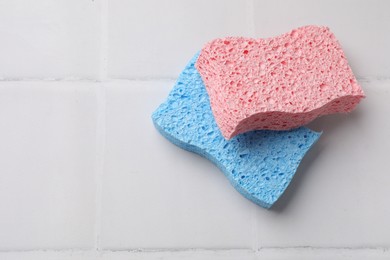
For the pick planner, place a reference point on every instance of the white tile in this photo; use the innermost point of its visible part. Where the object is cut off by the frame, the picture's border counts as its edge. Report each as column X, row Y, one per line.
column 361, row 27
column 322, row 254
column 155, row 38
column 133, row 255
column 340, row 196
column 49, row 39
column 156, row 195
column 47, row 156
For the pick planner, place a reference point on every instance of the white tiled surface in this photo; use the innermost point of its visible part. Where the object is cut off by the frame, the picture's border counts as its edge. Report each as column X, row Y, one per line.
column 156, row 195
column 47, row 161
column 153, row 38
column 340, row 197
column 49, row 39
column 84, row 175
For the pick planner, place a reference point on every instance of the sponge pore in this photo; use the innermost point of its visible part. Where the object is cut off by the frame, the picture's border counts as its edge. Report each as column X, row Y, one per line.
column 259, row 164
column 277, row 83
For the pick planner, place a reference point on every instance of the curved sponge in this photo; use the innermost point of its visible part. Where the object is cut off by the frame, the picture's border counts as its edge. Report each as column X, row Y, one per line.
column 259, row 164
column 277, row 83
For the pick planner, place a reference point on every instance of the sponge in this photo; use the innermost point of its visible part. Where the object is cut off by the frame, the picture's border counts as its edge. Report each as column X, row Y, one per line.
column 277, row 83
column 259, row 164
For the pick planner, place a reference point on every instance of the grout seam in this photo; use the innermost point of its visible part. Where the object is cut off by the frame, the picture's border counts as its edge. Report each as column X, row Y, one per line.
column 101, row 121
column 351, row 248
column 255, row 233
column 194, row 250
column 103, row 73
column 129, row 250
column 108, row 79
column 250, row 13
column 100, row 159
column 5, row 80
column 175, row 250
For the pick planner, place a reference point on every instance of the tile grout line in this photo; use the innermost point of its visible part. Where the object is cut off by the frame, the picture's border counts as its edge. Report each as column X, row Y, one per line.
column 350, row 248
column 101, row 121
column 140, row 79
column 100, row 160
column 199, row 250
column 103, row 68
column 255, row 232
column 250, row 12
column 89, row 80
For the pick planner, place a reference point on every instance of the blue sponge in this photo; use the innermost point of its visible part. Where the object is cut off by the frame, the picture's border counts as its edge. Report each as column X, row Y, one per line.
column 259, row 164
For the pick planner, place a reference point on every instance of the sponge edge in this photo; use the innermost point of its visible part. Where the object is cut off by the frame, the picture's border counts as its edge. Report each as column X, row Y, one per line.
column 259, row 164
column 277, row 83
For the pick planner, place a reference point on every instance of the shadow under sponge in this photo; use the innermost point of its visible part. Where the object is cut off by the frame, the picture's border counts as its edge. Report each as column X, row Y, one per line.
column 259, row 164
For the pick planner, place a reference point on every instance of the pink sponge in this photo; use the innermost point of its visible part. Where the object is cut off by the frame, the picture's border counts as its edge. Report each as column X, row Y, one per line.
column 277, row 83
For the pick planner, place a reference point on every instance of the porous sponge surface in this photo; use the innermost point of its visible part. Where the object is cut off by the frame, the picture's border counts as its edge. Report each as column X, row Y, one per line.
column 277, row 83
column 259, row 164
